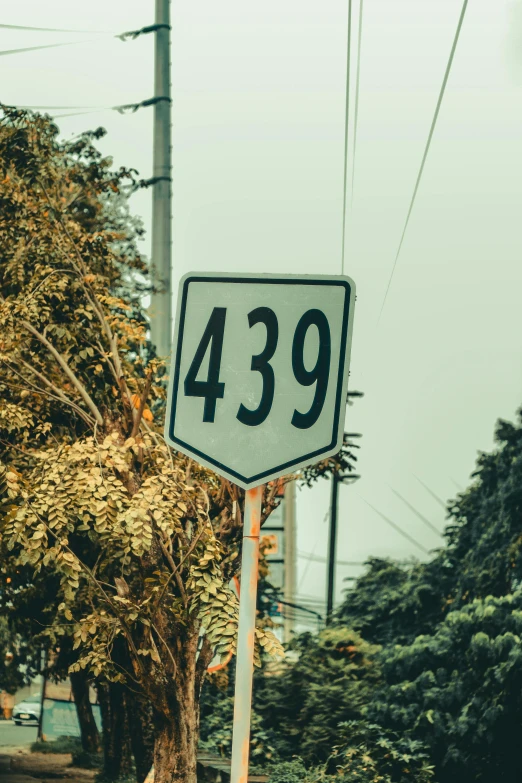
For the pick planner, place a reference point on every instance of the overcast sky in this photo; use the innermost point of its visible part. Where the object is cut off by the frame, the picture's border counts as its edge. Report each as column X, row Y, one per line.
column 258, row 113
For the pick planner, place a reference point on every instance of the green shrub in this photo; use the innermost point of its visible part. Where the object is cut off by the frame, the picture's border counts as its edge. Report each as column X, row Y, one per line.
column 60, row 745
column 368, row 753
column 288, row 772
column 459, row 690
column 86, row 760
column 332, row 681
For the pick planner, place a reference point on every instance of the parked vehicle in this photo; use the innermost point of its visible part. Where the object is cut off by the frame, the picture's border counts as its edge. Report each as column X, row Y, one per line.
column 27, row 711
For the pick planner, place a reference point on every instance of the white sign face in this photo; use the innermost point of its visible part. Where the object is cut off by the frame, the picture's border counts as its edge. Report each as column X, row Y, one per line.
column 259, row 372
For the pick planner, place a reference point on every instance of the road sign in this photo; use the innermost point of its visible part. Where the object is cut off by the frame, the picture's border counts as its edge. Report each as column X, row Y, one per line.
column 259, row 372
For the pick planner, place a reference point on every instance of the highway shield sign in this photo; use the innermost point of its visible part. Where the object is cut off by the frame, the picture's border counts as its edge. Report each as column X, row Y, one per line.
column 259, row 372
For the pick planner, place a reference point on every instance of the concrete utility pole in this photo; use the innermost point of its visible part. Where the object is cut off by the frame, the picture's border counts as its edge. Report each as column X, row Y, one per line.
column 161, row 302
column 337, row 478
column 290, row 550
column 332, row 542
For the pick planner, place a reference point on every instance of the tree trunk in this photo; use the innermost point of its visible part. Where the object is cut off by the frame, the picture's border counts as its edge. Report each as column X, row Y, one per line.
column 141, row 729
column 176, row 726
column 90, row 736
column 117, row 761
column 175, row 749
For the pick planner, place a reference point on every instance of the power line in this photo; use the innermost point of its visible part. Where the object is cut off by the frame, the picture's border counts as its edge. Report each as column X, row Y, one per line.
column 396, row 527
column 35, row 48
column 46, row 108
column 78, row 113
column 52, row 29
column 318, row 559
column 133, row 34
column 121, row 109
column 433, row 495
column 309, row 560
column 417, row 513
column 346, row 121
column 427, row 148
column 357, row 88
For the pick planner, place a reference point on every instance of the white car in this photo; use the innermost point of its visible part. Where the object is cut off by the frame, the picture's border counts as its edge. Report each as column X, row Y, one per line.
column 27, row 711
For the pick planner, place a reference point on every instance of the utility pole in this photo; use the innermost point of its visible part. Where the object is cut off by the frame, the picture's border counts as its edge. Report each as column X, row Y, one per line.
column 332, row 542
column 161, row 300
column 338, row 477
column 290, row 550
column 43, row 668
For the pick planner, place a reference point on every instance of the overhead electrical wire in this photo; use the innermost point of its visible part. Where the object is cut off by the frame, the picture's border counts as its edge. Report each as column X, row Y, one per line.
column 346, row 130
column 427, row 147
column 417, row 513
column 396, row 527
column 357, row 90
column 5, row 52
column 132, row 34
column 433, row 495
column 318, row 559
column 122, row 109
column 78, row 113
column 52, row 29
column 58, row 107
column 350, row 563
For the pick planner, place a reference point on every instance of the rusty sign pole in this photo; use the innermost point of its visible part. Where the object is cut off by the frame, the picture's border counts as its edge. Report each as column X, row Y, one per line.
column 246, row 635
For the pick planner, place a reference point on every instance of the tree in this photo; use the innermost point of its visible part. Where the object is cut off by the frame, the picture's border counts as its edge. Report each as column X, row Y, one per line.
column 20, row 650
column 91, row 491
column 367, row 753
column 459, row 690
column 485, row 532
column 331, row 682
column 393, row 603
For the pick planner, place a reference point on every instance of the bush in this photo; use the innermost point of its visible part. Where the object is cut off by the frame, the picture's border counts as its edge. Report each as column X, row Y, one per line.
column 288, row 772
column 86, row 760
column 370, row 754
column 217, row 710
column 333, row 681
column 459, row 690
column 61, row 745
column 367, row 754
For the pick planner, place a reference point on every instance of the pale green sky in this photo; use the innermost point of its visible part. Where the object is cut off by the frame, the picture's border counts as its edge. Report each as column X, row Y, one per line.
column 257, row 149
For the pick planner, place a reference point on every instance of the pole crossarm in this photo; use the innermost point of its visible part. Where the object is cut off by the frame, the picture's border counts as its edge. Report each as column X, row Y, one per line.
column 142, row 104
column 151, row 28
column 147, row 183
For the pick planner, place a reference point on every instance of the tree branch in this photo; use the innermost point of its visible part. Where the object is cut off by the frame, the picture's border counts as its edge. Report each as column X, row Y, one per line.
column 141, row 408
column 205, row 656
column 167, row 648
column 93, row 301
column 175, row 572
column 67, row 370
column 58, row 394
column 99, row 587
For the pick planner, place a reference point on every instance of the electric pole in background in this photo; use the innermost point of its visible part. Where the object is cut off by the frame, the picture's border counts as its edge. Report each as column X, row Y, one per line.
column 332, row 545
column 161, row 301
column 337, row 478
column 290, row 550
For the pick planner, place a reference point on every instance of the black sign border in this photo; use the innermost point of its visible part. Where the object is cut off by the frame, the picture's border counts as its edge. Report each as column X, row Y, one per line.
column 342, row 358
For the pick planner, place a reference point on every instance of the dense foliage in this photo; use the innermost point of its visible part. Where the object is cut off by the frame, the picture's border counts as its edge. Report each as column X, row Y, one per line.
column 393, row 603
column 455, row 683
column 122, row 550
column 366, row 754
column 142, row 541
column 460, row 691
column 428, row 685
column 330, row 683
column 128, row 546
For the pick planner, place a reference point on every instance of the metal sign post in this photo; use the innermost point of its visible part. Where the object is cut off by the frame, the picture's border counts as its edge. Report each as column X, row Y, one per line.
column 246, row 635
column 258, row 390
